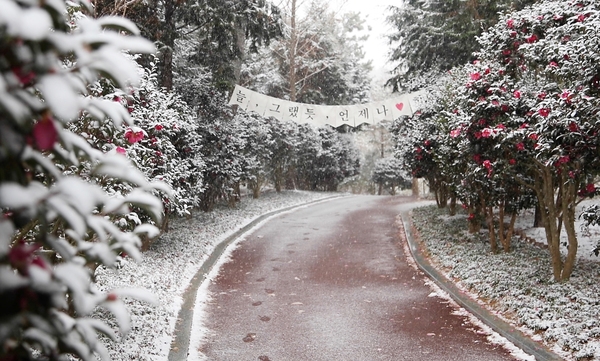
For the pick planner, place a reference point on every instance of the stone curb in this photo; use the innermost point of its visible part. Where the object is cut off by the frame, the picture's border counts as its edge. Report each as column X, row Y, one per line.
column 183, row 326
column 518, row 338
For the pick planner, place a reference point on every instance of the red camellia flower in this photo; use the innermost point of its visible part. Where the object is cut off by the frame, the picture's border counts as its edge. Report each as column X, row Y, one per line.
column 510, row 23
column 158, row 127
column 533, row 136
column 544, row 112
column 427, row 143
column 542, row 96
column 512, row 161
column 134, row 136
column 504, row 108
column 506, row 52
column 475, row 76
column 573, row 127
column 520, row 146
column 25, row 78
column 500, row 127
column 513, row 34
column 532, row 39
column 517, row 94
column 590, row 188
column 471, row 217
column 44, row 133
column 477, row 158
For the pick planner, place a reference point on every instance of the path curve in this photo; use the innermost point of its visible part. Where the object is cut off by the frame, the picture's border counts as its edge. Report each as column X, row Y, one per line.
column 331, row 282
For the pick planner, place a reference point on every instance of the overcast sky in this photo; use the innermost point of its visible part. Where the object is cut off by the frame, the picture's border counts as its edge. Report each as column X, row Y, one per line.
column 374, row 11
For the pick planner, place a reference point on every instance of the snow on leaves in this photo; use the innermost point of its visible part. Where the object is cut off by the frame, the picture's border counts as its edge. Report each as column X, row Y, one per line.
column 55, row 216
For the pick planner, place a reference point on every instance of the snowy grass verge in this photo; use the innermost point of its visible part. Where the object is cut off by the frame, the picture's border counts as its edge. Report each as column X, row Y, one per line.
column 518, row 285
column 167, row 268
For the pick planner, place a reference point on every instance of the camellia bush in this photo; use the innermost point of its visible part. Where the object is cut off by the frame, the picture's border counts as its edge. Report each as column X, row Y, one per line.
column 57, row 215
column 528, row 110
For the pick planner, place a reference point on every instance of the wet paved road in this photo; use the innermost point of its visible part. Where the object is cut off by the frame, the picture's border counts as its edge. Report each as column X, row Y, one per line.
column 331, row 282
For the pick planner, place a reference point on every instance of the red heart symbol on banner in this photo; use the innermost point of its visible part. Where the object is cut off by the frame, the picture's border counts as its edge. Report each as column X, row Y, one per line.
column 400, row 106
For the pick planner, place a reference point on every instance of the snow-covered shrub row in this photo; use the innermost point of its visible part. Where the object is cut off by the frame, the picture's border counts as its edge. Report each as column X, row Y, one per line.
column 518, row 285
column 56, row 217
column 519, row 126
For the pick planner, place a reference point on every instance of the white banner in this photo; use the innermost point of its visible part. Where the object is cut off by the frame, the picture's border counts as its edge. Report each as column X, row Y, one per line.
column 334, row 115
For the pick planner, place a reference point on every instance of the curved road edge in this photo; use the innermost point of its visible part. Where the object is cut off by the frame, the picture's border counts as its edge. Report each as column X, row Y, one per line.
column 183, row 326
column 518, row 338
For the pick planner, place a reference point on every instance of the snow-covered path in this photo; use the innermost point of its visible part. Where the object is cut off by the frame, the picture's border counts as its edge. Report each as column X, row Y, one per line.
column 331, row 282
column 167, row 268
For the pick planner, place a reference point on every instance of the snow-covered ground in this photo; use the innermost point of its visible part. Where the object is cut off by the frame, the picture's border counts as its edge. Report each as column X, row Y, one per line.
column 518, row 286
column 170, row 264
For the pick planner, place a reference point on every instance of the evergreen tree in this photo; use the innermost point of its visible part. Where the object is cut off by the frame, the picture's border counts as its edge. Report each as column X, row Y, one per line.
column 434, row 36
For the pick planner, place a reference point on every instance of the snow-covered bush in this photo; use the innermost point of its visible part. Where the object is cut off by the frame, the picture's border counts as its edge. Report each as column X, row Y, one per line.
column 529, row 110
column 390, row 173
column 56, row 218
column 164, row 143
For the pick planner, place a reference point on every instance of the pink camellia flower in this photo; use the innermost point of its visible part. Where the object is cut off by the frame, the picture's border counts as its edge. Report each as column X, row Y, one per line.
column 44, row 133
column 524, row 125
column 475, row 76
column 455, row 133
column 478, row 135
column 553, row 64
column 500, row 127
column 544, row 112
column 121, row 150
column 495, row 103
column 159, row 127
column 510, row 23
column 134, row 136
column 581, row 18
column 520, row 146
column 487, row 132
column 22, row 255
column 488, row 165
column 558, row 17
column 517, row 94
column 532, row 39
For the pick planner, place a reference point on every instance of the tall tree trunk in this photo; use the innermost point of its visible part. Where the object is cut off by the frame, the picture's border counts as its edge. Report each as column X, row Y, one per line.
column 293, row 47
column 167, row 48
